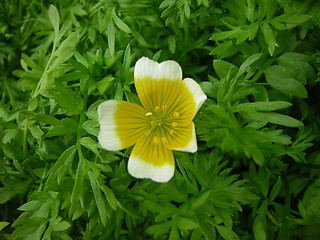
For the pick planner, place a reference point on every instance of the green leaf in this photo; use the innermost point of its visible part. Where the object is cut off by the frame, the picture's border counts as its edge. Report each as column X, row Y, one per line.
column 66, row 99
column 259, row 228
column 110, row 197
column 104, row 84
column 174, row 233
column 249, row 61
column 275, row 189
column 209, row 89
column 269, row 37
column 224, row 70
column 270, row 7
column 168, row 211
column 172, row 43
column 65, row 50
column 261, row 106
column 39, row 172
column 119, row 91
column 77, row 191
column 159, row 229
column 64, row 29
column 120, row 24
column 185, row 224
column 60, row 226
column 279, row 119
column 89, row 143
column 3, row 225
column 54, row 18
column 201, row 200
column 100, row 202
column 35, row 131
column 66, row 126
column 10, row 190
column 152, row 206
column 58, row 171
column 297, row 19
column 226, row 233
column 111, row 32
column 205, row 226
column 256, row 154
column 91, row 127
column 30, row 206
column 298, row 64
column 279, row 77
column 250, row 13
column 224, row 35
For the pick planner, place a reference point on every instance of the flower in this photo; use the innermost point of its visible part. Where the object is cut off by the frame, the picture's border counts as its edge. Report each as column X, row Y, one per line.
column 163, row 123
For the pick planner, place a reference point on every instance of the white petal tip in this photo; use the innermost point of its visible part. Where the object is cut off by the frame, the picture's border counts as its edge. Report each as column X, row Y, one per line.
column 199, row 96
column 142, row 169
column 146, row 67
column 108, row 138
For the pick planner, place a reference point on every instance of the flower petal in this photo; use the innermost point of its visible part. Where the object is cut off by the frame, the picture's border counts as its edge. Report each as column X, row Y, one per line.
column 198, row 95
column 192, row 145
column 122, row 124
column 157, row 83
column 147, row 68
column 151, row 160
column 182, row 138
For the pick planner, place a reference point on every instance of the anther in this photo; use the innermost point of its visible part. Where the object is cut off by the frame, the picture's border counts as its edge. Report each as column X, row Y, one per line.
column 147, row 132
column 176, row 114
column 164, row 108
column 174, row 124
column 153, row 123
column 164, row 140
column 148, row 114
column 157, row 109
column 156, row 140
column 171, row 132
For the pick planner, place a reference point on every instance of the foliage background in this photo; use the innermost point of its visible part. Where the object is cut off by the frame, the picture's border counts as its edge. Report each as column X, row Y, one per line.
column 256, row 173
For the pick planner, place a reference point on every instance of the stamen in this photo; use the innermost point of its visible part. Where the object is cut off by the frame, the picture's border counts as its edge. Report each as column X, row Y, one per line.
column 164, row 108
column 147, row 132
column 171, row 132
column 157, row 109
column 156, row 140
column 176, row 114
column 174, row 124
column 164, row 140
column 148, row 114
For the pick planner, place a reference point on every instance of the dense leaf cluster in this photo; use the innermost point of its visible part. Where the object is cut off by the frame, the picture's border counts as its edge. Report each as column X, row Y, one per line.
column 256, row 173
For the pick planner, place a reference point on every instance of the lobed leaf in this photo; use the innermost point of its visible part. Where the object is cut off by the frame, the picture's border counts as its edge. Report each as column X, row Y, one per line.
column 54, row 18
column 279, row 77
column 261, row 106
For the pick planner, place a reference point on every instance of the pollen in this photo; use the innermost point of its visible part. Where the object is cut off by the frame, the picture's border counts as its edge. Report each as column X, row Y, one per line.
column 157, row 109
column 148, row 114
column 176, row 114
column 147, row 132
column 164, row 108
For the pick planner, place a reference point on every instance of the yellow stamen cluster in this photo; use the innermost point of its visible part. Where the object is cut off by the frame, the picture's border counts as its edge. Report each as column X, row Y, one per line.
column 161, row 123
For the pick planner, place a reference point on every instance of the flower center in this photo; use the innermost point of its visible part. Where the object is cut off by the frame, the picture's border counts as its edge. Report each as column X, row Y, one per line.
column 161, row 124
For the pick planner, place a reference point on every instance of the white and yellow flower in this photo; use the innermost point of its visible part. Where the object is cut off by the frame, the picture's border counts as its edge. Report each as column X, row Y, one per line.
column 163, row 123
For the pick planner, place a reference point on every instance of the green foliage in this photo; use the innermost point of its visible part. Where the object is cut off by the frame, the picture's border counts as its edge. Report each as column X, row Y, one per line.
column 256, row 172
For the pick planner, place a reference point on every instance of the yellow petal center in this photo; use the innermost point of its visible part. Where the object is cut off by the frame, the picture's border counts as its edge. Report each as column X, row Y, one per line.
column 161, row 123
